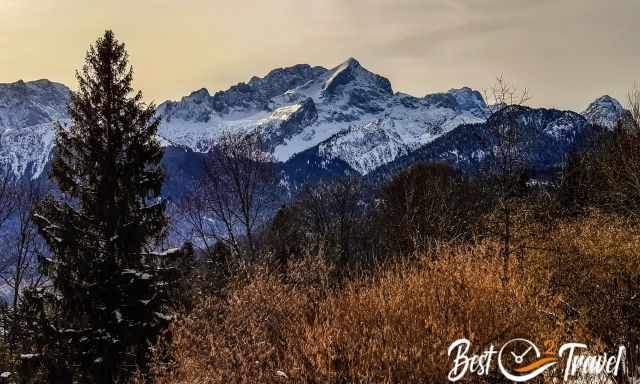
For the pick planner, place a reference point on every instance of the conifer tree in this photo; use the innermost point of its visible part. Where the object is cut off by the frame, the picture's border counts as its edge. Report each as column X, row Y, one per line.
column 111, row 288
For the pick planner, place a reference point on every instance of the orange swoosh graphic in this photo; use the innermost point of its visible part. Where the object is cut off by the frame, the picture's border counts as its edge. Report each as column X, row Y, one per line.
column 536, row 364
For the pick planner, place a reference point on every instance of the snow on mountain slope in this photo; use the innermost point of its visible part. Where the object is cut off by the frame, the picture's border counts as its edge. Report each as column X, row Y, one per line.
column 406, row 124
column 28, row 112
column 32, row 103
column 350, row 110
column 26, row 151
column 604, row 111
column 365, row 147
column 286, row 122
column 199, row 119
column 550, row 135
column 348, row 115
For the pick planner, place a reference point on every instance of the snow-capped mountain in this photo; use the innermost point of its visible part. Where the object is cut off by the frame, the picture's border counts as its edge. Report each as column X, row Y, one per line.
column 28, row 111
column 315, row 121
column 605, row 111
column 406, row 124
column 548, row 135
column 352, row 113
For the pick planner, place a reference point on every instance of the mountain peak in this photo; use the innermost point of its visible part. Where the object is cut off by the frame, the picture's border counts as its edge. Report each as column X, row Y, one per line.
column 608, row 102
column 28, row 110
column 351, row 61
column 604, row 111
column 352, row 72
column 41, row 83
column 607, row 98
column 468, row 98
column 280, row 75
column 198, row 96
column 28, row 103
column 462, row 100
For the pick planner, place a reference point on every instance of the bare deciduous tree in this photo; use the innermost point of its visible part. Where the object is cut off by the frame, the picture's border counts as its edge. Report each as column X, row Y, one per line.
column 23, row 247
column 334, row 213
column 331, row 219
column 633, row 104
column 506, row 149
column 237, row 193
column 24, row 244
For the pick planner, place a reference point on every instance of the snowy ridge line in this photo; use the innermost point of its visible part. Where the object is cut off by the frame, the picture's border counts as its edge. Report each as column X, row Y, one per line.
column 347, row 113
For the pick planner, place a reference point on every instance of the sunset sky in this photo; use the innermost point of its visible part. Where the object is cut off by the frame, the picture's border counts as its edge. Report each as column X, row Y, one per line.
column 566, row 52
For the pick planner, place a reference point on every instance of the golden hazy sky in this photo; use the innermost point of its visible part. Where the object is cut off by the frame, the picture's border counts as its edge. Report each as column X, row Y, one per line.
column 567, row 52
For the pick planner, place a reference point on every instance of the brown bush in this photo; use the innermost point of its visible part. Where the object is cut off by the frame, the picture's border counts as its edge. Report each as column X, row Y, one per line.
column 595, row 270
column 395, row 326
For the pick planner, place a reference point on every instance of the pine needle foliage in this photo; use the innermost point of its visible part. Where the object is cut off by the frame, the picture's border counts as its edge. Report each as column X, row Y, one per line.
column 111, row 289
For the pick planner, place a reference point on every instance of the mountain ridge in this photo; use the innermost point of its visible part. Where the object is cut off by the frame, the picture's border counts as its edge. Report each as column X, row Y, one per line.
column 348, row 101
column 345, row 116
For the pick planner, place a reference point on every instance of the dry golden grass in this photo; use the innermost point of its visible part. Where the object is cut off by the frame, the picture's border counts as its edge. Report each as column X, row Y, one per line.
column 395, row 326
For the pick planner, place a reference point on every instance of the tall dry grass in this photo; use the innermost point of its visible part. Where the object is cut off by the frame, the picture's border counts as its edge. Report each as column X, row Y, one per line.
column 395, row 325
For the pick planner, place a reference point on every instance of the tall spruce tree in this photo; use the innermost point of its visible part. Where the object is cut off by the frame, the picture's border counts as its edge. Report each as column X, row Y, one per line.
column 111, row 288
